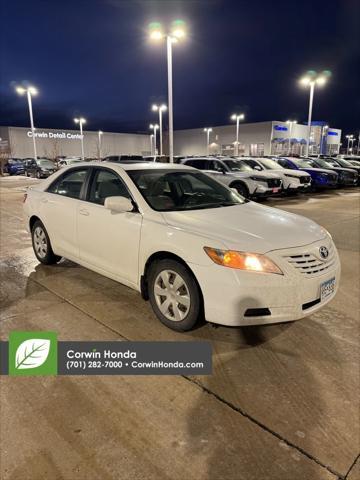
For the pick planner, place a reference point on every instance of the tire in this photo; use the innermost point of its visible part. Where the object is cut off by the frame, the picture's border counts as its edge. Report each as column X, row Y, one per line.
column 41, row 244
column 241, row 189
column 175, row 315
column 38, row 175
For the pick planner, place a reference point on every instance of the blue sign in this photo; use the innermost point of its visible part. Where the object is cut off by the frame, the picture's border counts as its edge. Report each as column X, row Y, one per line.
column 280, row 127
column 333, row 133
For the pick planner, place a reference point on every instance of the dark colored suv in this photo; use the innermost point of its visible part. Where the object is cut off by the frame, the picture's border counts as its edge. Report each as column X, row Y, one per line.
column 39, row 168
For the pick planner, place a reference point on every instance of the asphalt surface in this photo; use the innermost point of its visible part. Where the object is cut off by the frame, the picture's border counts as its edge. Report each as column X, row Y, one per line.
column 282, row 403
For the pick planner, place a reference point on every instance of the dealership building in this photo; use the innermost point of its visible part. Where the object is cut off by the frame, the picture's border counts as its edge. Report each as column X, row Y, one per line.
column 50, row 143
column 255, row 139
column 261, row 138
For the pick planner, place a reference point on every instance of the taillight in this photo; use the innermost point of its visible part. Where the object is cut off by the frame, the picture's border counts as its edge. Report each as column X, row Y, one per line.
column 25, row 197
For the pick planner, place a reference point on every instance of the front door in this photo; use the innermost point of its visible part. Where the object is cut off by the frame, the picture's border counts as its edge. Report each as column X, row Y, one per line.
column 109, row 240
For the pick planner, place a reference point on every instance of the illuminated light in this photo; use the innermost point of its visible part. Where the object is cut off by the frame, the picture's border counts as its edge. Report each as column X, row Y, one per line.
column 178, row 33
column 320, row 81
column 252, row 262
column 100, row 132
column 33, row 90
column 156, row 35
column 156, row 32
column 305, row 81
column 20, row 90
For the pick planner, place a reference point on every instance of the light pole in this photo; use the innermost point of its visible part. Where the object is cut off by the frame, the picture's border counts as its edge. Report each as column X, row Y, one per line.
column 207, row 131
column 174, row 34
column 154, row 128
column 310, row 80
column 151, row 144
column 81, row 121
column 290, row 123
column 100, row 133
column 29, row 92
column 237, row 117
column 349, row 139
column 160, row 109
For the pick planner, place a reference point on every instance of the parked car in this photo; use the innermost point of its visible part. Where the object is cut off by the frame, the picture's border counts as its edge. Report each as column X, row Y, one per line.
column 14, row 166
column 39, row 168
column 68, row 161
column 292, row 181
column 124, row 158
column 347, row 177
column 237, row 174
column 188, row 243
column 320, row 178
column 341, row 162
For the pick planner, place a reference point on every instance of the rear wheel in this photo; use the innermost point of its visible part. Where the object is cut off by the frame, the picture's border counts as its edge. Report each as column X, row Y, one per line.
column 174, row 294
column 241, row 189
column 41, row 244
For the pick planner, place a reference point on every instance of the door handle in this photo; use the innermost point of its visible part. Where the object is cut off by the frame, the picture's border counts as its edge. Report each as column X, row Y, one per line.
column 84, row 212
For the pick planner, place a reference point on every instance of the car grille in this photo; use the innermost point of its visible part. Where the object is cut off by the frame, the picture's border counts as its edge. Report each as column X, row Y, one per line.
column 305, row 179
column 309, row 264
column 274, row 182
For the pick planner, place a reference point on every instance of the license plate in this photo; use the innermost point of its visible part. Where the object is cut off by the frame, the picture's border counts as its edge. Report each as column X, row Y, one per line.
column 275, row 190
column 327, row 288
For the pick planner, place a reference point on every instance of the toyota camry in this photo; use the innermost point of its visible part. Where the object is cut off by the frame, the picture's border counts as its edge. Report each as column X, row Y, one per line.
column 192, row 246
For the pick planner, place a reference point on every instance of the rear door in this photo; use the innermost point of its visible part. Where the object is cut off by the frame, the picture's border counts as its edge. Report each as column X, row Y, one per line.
column 58, row 210
column 109, row 240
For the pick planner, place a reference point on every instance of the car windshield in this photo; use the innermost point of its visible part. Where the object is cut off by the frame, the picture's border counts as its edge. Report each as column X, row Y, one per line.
column 45, row 163
column 237, row 166
column 169, row 190
column 324, row 163
column 308, row 163
column 344, row 163
column 270, row 164
column 14, row 161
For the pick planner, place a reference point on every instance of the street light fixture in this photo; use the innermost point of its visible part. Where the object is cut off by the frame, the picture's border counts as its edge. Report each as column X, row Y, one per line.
column 154, row 127
column 100, row 133
column 175, row 33
column 237, row 117
column 311, row 79
column 290, row 123
column 81, row 122
column 160, row 108
column 207, row 131
column 29, row 92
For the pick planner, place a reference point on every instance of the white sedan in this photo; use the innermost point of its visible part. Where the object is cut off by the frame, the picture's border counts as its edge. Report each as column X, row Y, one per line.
column 191, row 245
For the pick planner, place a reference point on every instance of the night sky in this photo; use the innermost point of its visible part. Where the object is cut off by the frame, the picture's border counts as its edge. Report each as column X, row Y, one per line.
column 93, row 57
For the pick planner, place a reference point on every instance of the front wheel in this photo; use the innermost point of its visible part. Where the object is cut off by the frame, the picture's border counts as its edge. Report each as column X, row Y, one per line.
column 174, row 294
column 41, row 244
column 241, row 189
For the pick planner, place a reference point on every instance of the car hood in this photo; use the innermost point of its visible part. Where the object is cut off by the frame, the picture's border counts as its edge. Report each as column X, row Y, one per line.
column 316, row 170
column 248, row 227
column 289, row 171
column 255, row 173
column 341, row 169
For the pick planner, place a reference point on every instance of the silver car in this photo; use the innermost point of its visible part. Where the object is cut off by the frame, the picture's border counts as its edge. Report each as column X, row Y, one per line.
column 235, row 173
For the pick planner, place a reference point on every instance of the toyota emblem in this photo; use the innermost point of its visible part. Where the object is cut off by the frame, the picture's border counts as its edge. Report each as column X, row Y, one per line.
column 324, row 252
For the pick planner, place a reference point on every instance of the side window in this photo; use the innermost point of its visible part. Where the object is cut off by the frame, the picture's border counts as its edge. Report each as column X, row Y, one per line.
column 199, row 164
column 70, row 184
column 106, row 184
column 252, row 164
column 215, row 166
column 284, row 163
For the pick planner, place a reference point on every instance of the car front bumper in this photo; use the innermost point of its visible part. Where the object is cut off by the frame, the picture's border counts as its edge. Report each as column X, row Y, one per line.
column 231, row 295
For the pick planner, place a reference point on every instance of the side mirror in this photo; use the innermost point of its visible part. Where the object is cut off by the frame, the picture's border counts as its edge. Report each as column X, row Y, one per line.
column 118, row 204
column 257, row 167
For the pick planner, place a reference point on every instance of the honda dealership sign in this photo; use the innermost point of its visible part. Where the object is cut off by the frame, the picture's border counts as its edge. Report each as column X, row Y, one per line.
column 61, row 135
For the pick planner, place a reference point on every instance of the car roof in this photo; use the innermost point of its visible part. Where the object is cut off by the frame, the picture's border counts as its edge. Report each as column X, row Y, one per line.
column 141, row 165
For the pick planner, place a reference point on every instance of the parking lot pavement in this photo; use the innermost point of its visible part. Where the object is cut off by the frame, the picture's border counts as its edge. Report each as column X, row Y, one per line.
column 282, row 403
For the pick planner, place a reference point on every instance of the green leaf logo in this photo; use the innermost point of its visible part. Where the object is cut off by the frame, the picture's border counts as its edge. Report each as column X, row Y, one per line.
column 32, row 353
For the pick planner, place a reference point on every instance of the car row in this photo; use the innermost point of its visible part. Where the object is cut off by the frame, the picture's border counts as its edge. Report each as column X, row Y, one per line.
column 191, row 245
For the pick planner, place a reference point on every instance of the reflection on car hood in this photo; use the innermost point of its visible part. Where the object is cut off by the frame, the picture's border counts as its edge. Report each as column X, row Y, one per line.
column 317, row 170
column 289, row 171
column 255, row 173
column 248, row 227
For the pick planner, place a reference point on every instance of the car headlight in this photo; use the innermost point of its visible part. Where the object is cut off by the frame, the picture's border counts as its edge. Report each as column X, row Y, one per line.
column 253, row 262
column 291, row 176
